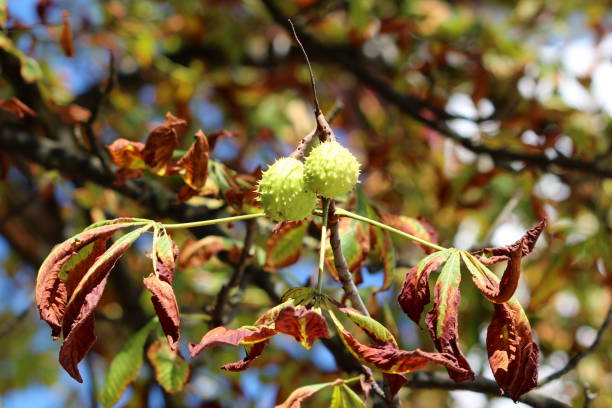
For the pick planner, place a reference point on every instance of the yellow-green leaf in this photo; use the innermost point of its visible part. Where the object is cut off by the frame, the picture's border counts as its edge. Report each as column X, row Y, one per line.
column 172, row 372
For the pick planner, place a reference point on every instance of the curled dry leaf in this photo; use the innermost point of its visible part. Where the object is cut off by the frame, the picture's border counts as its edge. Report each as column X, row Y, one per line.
column 78, row 322
column 513, row 355
column 490, row 286
column 442, row 319
column 127, row 154
column 161, row 143
column 51, row 293
column 194, row 164
column 165, row 306
column 414, row 295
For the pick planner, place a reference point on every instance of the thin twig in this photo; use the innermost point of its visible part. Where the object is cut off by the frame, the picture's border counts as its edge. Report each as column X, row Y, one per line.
column 218, row 316
column 300, row 150
column 573, row 362
column 312, row 80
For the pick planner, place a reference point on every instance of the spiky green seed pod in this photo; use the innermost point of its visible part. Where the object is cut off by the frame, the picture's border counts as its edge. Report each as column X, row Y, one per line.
column 281, row 191
column 330, row 170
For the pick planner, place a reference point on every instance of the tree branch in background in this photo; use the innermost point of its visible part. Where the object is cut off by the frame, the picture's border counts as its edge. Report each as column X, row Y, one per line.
column 430, row 380
column 573, row 362
column 417, row 109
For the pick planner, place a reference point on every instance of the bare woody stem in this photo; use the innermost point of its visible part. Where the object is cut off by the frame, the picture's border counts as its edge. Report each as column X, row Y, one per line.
column 326, row 202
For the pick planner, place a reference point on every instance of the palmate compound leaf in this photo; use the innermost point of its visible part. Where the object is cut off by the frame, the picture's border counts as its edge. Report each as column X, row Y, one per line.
column 388, row 358
column 51, row 290
column 285, row 244
column 303, row 324
column 78, row 321
column 172, row 372
column 513, row 356
column 124, row 367
column 442, row 319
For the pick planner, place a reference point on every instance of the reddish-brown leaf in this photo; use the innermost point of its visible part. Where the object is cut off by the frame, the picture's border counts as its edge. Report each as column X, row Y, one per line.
column 17, row 108
column 414, row 295
column 491, row 287
column 194, row 163
column 491, row 256
column 253, row 351
column 77, row 325
column 442, row 319
column 164, row 254
column 513, row 355
column 161, row 143
column 220, row 336
column 66, row 36
column 51, row 293
column 303, row 324
column 165, row 306
column 388, row 358
column 395, row 382
column 355, row 242
column 416, row 226
column 127, row 154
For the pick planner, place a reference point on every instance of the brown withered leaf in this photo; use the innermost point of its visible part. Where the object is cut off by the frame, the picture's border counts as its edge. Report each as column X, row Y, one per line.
column 388, row 358
column 66, row 36
column 196, row 253
column 415, row 295
column 395, row 382
column 442, row 319
column 77, row 323
column 161, row 143
column 127, row 154
column 490, row 286
column 194, row 163
column 166, row 307
column 17, row 108
column 252, row 352
column 304, row 325
column 491, row 256
column 164, row 254
column 214, row 137
column 513, row 355
column 220, row 336
column 51, row 293
column 81, row 337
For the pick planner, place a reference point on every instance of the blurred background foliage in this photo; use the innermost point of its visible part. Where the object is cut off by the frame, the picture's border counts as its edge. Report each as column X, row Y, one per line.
column 532, row 77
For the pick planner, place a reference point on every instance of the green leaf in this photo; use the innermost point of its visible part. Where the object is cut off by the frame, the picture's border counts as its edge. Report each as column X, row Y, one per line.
column 448, row 281
column 171, row 370
column 353, row 399
column 284, row 246
column 338, row 398
column 298, row 395
column 301, row 295
column 370, row 326
column 124, row 367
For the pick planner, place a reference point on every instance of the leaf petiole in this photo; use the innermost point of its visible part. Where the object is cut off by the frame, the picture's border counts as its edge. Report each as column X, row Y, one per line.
column 344, row 213
column 326, row 202
column 204, row 223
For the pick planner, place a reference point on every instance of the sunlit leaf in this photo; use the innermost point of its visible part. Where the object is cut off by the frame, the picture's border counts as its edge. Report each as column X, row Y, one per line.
column 172, row 372
column 124, row 367
column 298, row 396
column 194, row 164
column 284, row 246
